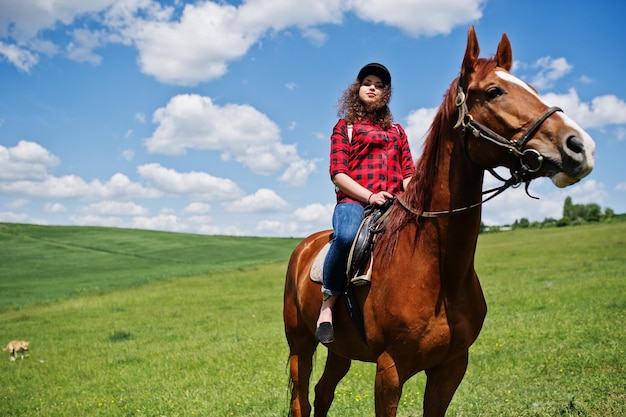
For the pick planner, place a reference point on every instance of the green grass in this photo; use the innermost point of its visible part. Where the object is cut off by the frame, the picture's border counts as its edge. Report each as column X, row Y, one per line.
column 180, row 336
column 42, row 264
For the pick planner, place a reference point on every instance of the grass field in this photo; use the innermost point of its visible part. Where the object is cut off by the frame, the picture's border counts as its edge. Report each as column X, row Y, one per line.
column 136, row 323
column 42, row 263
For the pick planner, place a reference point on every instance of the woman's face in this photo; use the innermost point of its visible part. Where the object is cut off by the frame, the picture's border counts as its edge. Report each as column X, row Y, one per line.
column 371, row 90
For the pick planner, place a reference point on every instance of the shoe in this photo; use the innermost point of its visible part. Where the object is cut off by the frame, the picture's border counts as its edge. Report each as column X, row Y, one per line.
column 325, row 333
column 360, row 280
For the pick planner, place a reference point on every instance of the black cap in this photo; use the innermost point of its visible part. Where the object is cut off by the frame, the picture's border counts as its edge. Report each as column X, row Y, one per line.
column 376, row 69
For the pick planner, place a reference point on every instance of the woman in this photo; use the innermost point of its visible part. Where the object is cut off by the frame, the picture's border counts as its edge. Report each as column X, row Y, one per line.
column 370, row 162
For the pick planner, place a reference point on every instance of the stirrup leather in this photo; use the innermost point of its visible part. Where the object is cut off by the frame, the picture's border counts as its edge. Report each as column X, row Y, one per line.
column 374, row 219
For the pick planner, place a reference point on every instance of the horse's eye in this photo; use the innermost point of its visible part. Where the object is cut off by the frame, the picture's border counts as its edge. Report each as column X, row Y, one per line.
column 493, row 92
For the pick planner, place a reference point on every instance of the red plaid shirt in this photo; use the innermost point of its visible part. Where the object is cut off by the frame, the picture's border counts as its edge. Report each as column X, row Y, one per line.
column 378, row 160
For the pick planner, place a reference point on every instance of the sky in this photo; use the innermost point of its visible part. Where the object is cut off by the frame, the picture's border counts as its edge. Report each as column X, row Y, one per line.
column 214, row 117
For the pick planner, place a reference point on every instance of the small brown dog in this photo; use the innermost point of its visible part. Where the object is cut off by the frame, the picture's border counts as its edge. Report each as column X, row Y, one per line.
column 15, row 347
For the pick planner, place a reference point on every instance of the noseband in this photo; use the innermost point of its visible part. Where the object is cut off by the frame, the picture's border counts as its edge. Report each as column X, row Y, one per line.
column 529, row 160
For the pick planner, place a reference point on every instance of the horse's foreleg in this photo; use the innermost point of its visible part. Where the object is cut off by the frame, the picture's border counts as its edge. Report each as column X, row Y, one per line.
column 387, row 387
column 300, row 367
column 336, row 368
column 441, row 384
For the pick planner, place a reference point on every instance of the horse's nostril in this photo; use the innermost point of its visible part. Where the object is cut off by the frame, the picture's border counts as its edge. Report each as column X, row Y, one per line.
column 575, row 144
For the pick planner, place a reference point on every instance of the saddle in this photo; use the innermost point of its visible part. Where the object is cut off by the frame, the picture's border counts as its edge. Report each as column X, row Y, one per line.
column 374, row 220
column 359, row 266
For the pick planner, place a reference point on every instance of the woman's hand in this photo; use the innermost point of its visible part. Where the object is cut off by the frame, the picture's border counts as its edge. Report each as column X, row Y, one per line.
column 379, row 198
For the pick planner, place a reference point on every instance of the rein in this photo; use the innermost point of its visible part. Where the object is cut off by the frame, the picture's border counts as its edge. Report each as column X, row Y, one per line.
column 529, row 160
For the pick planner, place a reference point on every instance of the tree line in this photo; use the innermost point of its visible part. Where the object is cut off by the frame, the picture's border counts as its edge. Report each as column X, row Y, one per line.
column 573, row 214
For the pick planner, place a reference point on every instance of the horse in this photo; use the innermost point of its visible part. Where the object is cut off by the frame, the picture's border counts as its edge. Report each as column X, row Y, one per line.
column 424, row 306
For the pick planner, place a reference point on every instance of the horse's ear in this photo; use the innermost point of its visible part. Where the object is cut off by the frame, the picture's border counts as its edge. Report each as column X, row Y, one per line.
column 504, row 56
column 471, row 53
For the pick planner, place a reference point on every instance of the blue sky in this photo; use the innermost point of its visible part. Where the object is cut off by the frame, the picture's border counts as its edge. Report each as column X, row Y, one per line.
column 214, row 117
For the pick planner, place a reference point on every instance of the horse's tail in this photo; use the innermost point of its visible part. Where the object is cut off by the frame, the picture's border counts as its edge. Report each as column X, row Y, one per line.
column 289, row 390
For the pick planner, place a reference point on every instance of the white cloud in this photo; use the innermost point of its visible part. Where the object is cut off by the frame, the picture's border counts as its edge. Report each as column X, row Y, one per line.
column 16, row 204
column 298, row 172
column 163, row 221
column 420, row 17
column 20, row 57
column 196, row 42
column 315, row 36
column 195, row 122
column 418, row 123
column 95, row 220
column 550, row 70
column 114, row 208
column 278, row 228
column 199, row 220
column 74, row 187
column 23, row 20
column 211, row 229
column 302, row 222
column 81, row 48
column 315, row 213
column 8, row 217
column 194, row 49
column 54, row 208
column 264, row 200
column 196, row 209
column 269, row 225
column 196, row 185
column 25, row 161
column 128, row 154
column 602, row 111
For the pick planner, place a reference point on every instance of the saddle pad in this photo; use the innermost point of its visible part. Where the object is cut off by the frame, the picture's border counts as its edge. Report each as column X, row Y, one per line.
column 318, row 267
column 318, row 264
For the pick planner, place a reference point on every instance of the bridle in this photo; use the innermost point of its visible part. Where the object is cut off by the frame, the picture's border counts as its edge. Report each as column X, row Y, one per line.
column 528, row 161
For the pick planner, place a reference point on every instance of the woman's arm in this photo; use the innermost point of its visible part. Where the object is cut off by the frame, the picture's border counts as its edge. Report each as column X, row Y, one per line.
column 357, row 191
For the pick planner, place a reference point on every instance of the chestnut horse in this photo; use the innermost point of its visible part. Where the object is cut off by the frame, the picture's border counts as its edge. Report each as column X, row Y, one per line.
column 424, row 306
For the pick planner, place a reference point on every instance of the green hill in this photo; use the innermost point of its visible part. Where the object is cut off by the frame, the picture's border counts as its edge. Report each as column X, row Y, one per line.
column 47, row 263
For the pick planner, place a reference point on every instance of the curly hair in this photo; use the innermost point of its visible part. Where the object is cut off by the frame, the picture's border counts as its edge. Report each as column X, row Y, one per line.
column 352, row 109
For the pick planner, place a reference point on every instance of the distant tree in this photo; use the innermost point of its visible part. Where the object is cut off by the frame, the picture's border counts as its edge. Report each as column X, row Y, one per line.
column 549, row 222
column 593, row 212
column 564, row 221
column 608, row 214
column 573, row 214
column 488, row 229
column 568, row 208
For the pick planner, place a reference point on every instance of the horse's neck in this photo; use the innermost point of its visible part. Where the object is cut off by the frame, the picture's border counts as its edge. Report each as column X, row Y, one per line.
column 458, row 185
column 459, row 181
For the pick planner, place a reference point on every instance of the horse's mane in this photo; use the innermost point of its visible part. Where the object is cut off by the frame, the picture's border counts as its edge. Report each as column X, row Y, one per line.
column 419, row 191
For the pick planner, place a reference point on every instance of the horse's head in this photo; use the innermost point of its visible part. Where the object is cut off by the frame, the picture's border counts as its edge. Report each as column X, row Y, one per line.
column 506, row 122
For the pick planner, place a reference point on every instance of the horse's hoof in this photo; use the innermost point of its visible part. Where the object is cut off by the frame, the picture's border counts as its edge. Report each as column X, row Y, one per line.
column 325, row 332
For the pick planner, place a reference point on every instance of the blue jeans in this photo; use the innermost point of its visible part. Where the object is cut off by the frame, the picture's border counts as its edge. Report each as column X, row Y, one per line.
column 347, row 218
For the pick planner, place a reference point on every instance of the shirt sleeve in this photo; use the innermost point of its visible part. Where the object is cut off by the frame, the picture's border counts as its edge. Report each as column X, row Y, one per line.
column 406, row 158
column 339, row 149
